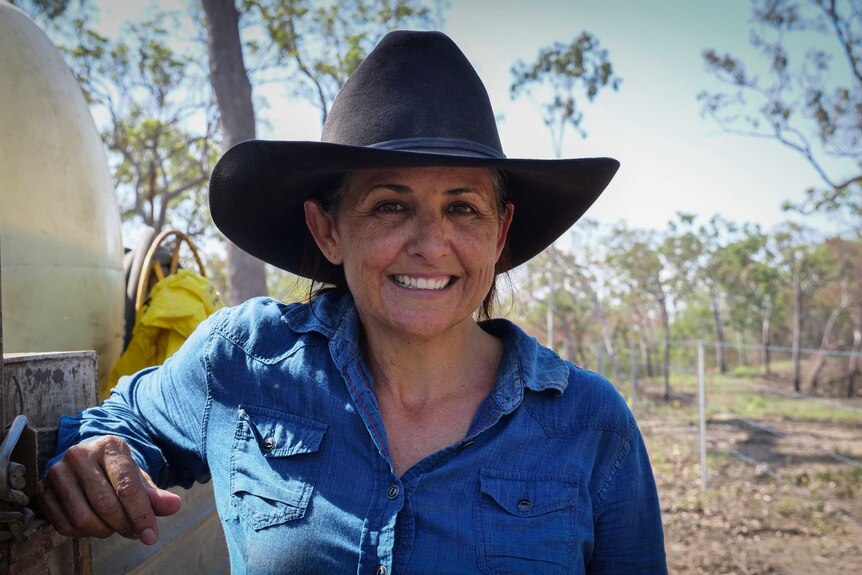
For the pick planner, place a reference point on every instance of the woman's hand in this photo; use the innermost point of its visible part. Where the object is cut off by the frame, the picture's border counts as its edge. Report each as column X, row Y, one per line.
column 97, row 490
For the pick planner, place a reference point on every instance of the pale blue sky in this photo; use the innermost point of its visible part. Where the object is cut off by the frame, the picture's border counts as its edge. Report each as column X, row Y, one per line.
column 672, row 160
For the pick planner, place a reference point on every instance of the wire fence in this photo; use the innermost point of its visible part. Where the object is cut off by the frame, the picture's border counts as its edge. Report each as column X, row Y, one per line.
column 756, row 404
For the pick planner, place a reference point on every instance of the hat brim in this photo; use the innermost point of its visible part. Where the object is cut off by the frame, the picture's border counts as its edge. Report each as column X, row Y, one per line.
column 258, row 189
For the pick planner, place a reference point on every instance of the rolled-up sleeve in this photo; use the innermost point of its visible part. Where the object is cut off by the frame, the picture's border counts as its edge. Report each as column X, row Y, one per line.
column 160, row 412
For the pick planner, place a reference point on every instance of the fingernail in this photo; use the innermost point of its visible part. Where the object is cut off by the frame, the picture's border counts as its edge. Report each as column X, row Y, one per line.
column 148, row 536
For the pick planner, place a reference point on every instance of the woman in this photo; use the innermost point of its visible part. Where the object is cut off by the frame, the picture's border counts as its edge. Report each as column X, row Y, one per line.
column 378, row 428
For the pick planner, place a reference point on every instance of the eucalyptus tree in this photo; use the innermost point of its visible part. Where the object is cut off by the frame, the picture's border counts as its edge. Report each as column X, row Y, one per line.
column 156, row 118
column 849, row 258
column 805, row 261
column 638, row 260
column 805, row 93
column 559, row 78
column 313, row 47
column 748, row 273
column 843, row 296
column 246, row 275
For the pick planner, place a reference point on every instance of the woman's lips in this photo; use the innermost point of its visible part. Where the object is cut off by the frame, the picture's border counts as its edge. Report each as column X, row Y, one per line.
column 425, row 283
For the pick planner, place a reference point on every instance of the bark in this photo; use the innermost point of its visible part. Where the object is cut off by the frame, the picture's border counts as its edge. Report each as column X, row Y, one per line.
column 581, row 349
column 854, row 361
column 606, row 343
column 665, row 319
column 824, row 342
column 552, row 296
column 797, row 332
column 765, row 340
column 246, row 275
column 719, row 330
column 646, row 359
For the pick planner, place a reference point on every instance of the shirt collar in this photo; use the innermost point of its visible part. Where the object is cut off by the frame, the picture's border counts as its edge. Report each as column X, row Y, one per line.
column 525, row 363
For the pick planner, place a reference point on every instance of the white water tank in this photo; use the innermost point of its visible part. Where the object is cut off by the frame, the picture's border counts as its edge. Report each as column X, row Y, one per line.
column 60, row 245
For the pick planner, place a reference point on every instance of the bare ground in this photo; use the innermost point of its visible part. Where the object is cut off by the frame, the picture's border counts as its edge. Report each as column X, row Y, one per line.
column 778, row 501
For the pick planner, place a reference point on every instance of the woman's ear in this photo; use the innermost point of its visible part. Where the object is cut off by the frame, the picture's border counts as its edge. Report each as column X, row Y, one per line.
column 503, row 232
column 323, row 230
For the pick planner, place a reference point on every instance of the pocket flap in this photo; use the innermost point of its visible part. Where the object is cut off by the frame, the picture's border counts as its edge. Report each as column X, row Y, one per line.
column 528, row 494
column 281, row 434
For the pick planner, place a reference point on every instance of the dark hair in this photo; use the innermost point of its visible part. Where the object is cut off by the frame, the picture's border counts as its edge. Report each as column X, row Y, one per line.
column 330, row 196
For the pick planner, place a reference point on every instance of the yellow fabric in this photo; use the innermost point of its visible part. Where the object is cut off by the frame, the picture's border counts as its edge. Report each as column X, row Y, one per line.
column 177, row 304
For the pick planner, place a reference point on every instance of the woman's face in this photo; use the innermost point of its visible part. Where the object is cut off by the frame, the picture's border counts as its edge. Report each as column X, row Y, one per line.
column 418, row 245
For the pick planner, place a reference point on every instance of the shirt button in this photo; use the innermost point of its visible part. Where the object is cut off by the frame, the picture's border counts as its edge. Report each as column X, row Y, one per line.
column 268, row 443
column 391, row 494
column 525, row 505
column 381, row 570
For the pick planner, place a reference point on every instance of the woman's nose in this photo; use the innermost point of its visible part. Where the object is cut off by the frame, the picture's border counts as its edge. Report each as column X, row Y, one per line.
column 429, row 239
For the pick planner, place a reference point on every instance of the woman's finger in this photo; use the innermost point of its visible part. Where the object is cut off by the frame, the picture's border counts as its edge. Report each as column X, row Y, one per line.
column 131, row 490
column 86, row 464
column 53, row 511
column 70, row 497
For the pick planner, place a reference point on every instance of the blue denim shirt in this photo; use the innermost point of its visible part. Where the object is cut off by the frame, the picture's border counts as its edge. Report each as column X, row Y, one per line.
column 275, row 404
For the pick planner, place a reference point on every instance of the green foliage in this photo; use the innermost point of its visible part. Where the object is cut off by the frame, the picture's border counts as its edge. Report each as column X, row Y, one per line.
column 156, row 118
column 48, row 9
column 581, row 66
column 808, row 96
column 322, row 43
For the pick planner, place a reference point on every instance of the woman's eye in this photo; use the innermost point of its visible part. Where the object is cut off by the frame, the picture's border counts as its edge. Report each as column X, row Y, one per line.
column 461, row 208
column 388, row 207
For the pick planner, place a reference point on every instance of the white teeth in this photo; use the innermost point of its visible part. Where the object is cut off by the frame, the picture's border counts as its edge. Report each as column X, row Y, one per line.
column 421, row 283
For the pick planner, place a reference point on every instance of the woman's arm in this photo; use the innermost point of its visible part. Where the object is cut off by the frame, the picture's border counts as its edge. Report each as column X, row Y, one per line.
column 152, row 427
column 628, row 528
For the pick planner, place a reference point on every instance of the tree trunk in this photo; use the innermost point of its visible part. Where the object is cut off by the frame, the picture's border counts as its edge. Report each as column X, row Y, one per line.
column 645, row 356
column 581, row 349
column 552, row 296
column 246, row 275
column 824, row 343
column 854, row 361
column 719, row 330
column 665, row 319
column 797, row 332
column 606, row 342
column 765, row 340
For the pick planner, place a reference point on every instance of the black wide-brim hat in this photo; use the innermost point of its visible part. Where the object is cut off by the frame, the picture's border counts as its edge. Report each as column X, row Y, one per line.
column 414, row 102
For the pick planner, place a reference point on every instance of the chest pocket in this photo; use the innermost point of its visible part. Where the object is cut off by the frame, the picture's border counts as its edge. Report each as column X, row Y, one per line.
column 274, row 466
column 525, row 522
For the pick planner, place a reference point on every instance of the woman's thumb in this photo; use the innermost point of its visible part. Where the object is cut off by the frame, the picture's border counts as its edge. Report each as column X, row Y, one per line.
column 164, row 502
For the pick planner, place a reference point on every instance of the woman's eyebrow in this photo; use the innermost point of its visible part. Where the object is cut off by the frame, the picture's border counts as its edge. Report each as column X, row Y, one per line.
column 401, row 189
column 459, row 191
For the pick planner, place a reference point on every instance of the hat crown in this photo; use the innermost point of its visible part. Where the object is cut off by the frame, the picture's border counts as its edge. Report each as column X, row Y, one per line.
column 419, row 88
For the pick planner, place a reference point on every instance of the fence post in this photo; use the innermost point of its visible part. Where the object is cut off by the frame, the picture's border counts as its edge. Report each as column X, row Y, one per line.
column 634, row 377
column 701, row 396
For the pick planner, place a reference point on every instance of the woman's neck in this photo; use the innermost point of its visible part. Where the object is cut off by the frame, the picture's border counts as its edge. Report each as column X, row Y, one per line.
column 419, row 373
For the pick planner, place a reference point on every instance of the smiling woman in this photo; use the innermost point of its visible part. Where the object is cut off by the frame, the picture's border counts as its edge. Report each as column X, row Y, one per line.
column 418, row 246
column 378, row 427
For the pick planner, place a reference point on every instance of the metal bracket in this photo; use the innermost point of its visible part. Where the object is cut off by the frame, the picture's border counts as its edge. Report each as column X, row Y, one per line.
column 16, row 488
